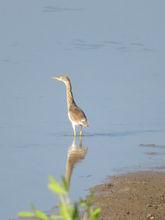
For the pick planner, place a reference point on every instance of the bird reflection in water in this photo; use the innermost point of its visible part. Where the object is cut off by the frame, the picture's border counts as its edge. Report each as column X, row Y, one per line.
column 76, row 153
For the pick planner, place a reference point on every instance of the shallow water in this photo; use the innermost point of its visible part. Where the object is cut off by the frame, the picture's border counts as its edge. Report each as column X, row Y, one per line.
column 114, row 54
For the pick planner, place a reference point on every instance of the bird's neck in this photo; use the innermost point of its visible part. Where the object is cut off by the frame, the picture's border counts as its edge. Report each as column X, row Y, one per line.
column 69, row 95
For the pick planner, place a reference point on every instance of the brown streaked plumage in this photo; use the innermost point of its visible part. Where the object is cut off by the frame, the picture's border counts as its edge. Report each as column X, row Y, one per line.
column 75, row 114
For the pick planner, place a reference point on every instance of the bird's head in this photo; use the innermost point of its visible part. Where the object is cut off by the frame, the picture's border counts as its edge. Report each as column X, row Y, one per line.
column 64, row 79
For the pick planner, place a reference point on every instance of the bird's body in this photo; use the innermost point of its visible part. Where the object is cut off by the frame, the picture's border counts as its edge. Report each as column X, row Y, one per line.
column 75, row 114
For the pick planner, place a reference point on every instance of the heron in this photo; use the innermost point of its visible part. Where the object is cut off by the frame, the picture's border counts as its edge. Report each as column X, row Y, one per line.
column 75, row 114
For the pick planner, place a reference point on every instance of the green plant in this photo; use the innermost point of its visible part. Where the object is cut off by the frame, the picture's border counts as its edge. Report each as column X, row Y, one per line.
column 81, row 210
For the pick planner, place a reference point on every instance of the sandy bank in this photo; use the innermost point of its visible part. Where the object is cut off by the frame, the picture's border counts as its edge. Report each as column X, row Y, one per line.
column 134, row 196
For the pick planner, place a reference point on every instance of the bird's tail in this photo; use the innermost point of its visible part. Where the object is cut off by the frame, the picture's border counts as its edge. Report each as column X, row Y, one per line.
column 85, row 123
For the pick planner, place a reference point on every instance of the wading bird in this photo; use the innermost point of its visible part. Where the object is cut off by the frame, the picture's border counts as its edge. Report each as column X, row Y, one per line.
column 75, row 114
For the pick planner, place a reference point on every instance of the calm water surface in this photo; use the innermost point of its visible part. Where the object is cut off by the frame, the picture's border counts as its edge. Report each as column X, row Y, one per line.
column 114, row 53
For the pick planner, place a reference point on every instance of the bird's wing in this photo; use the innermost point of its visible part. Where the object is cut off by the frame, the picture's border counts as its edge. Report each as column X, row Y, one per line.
column 77, row 115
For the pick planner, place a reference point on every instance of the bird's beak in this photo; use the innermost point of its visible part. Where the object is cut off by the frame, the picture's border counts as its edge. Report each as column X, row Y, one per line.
column 55, row 77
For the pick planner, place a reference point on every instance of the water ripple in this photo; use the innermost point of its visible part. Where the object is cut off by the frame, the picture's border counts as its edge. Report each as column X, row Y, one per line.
column 57, row 9
column 108, row 134
column 81, row 44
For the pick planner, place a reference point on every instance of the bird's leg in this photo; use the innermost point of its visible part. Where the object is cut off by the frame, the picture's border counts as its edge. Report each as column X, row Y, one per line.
column 74, row 130
column 81, row 131
column 80, row 144
column 74, row 141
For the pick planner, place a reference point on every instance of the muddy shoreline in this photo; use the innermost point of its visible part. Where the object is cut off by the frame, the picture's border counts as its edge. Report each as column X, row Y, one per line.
column 133, row 196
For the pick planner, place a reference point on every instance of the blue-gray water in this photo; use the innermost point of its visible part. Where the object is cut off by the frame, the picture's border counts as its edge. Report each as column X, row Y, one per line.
column 114, row 53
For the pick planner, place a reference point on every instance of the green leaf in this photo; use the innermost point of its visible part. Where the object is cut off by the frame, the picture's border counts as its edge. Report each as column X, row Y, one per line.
column 41, row 215
column 56, row 217
column 94, row 214
column 75, row 212
column 65, row 184
column 25, row 214
column 55, row 186
column 83, row 203
column 96, row 211
column 66, row 211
